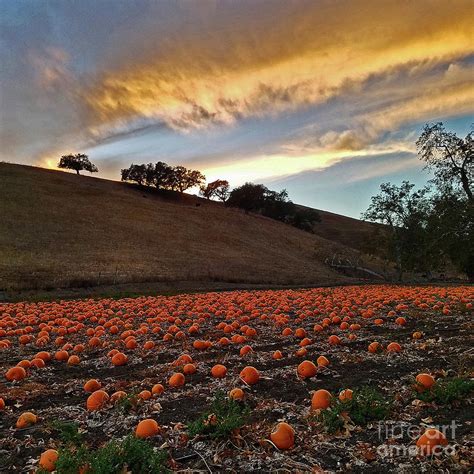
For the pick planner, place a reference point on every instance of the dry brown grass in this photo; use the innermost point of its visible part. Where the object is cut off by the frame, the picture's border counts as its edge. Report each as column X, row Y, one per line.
column 62, row 230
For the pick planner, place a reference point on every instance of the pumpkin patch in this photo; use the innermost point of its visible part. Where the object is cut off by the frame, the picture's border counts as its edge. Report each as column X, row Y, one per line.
column 279, row 362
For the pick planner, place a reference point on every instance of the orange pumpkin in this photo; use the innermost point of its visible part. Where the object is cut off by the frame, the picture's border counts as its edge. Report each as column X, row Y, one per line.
column 345, row 395
column 157, row 389
column 219, row 371
column 322, row 361
column 429, row 442
column 307, row 369
column 176, row 380
column 73, row 360
column 15, row 373
column 236, row 394
column 38, row 363
column 119, row 359
column 116, row 396
column 189, row 369
column 321, row 400
column 97, row 400
column 26, row 419
column 394, row 347
column 48, row 460
column 144, row 395
column 147, row 428
column 374, row 347
column 245, row 350
column 250, row 375
column 283, row 436
column 425, row 381
column 277, row 355
column 61, row 356
column 92, row 385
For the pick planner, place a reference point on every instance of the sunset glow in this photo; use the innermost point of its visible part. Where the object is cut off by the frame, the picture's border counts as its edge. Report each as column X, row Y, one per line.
column 240, row 90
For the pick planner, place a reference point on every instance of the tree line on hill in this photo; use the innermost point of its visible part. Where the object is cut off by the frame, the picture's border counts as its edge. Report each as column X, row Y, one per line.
column 432, row 226
column 250, row 197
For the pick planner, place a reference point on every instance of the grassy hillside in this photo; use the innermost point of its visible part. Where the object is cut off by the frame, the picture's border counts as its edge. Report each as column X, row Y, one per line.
column 63, row 230
column 347, row 231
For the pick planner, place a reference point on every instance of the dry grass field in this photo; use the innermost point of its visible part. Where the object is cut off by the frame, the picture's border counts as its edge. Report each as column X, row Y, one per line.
column 60, row 230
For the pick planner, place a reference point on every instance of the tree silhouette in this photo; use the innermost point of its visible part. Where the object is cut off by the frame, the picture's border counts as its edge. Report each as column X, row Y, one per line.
column 450, row 157
column 218, row 188
column 77, row 162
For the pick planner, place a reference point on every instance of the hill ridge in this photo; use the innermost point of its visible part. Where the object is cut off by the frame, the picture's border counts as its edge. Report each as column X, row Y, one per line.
column 63, row 230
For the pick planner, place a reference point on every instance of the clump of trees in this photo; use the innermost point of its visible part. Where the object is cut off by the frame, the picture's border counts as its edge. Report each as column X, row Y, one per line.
column 275, row 205
column 163, row 176
column 249, row 197
column 77, row 162
column 431, row 226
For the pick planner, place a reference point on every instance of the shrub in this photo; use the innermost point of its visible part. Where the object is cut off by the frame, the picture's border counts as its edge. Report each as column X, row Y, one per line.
column 447, row 390
column 223, row 417
column 366, row 404
column 128, row 455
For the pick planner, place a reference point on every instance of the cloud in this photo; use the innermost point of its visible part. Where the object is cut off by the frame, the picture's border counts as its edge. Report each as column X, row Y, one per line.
column 278, row 57
column 268, row 87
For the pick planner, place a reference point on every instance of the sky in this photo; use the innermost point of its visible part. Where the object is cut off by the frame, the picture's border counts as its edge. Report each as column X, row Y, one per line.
column 322, row 97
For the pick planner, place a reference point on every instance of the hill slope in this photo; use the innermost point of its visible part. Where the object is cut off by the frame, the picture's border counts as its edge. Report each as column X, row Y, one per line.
column 347, row 231
column 63, row 230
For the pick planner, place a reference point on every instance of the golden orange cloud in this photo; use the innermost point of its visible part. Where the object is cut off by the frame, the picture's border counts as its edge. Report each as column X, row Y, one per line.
column 286, row 60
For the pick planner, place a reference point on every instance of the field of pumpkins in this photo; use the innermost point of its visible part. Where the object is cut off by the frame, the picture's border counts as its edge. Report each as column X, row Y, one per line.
column 346, row 379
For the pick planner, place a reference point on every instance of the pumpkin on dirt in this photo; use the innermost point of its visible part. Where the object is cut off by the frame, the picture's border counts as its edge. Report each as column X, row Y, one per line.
column 73, row 360
column 2, row 404
column 48, row 460
column 97, row 400
column 283, row 436
column 26, row 364
column 157, row 389
column 394, row 347
column 26, row 419
column 236, row 394
column 277, row 355
column 119, row 359
column 116, row 396
column 306, row 369
column 374, row 347
column 219, row 371
column 322, row 361
column 61, row 356
column 92, row 385
column 321, row 400
column 430, row 441
column 38, row 363
column 176, row 380
column 424, row 381
column 245, row 350
column 250, row 375
column 15, row 374
column 189, row 369
column 147, row 428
